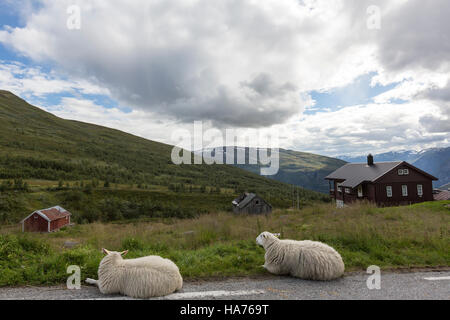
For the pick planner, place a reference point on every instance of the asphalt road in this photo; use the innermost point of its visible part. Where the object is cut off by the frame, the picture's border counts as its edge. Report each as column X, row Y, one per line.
column 417, row 285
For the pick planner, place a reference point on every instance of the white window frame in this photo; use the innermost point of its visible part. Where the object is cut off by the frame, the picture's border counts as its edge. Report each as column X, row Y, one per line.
column 347, row 190
column 339, row 189
column 405, row 172
column 400, row 172
column 420, row 190
column 360, row 191
column 389, row 191
column 404, row 190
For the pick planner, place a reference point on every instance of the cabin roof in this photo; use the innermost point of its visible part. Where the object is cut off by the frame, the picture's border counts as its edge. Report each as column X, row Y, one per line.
column 51, row 214
column 354, row 174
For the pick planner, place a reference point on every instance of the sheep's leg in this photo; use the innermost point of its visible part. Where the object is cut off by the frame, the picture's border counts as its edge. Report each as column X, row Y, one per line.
column 274, row 268
column 92, row 281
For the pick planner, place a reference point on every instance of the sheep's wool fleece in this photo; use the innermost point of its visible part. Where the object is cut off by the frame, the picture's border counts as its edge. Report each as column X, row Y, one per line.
column 303, row 259
column 145, row 277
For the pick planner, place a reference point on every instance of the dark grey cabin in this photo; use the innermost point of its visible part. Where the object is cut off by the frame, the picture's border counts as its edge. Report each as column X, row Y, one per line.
column 251, row 203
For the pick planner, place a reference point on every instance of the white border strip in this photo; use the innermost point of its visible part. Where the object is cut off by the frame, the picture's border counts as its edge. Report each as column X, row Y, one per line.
column 219, row 293
column 437, row 278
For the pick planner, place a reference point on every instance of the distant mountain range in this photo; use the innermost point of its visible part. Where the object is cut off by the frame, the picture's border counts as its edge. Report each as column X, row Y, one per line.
column 303, row 169
column 435, row 161
column 309, row 170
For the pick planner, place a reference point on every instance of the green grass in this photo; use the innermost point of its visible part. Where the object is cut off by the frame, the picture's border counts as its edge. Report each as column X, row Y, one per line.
column 223, row 244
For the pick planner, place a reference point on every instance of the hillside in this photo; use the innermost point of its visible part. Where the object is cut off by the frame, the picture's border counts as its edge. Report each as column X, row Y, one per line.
column 435, row 161
column 302, row 169
column 37, row 145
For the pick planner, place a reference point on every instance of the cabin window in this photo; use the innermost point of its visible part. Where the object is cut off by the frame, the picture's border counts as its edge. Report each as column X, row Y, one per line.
column 419, row 190
column 360, row 191
column 404, row 190
column 389, row 191
column 35, row 217
column 405, row 172
column 347, row 190
column 400, row 172
column 340, row 189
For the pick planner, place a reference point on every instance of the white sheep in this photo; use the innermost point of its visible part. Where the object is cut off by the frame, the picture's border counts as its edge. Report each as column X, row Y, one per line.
column 145, row 277
column 302, row 259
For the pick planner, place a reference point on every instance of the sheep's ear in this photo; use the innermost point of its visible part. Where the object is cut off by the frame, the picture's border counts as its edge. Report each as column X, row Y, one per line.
column 124, row 252
column 105, row 251
column 277, row 235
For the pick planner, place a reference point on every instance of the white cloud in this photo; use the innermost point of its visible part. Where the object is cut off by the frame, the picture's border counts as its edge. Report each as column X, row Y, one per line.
column 369, row 128
column 194, row 59
column 32, row 81
column 244, row 63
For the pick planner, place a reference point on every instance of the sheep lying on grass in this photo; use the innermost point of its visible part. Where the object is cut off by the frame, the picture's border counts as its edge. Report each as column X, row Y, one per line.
column 302, row 259
column 145, row 277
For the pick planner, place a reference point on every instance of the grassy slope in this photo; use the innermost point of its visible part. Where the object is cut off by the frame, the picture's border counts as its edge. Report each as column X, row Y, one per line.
column 224, row 245
column 35, row 144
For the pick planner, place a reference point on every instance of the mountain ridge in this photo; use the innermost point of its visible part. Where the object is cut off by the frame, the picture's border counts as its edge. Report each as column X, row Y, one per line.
column 303, row 169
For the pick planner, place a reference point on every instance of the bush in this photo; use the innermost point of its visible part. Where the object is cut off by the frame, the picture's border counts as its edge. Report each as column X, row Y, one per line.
column 132, row 244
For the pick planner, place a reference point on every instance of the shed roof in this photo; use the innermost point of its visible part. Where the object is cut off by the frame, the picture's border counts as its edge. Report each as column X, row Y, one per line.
column 243, row 200
column 51, row 214
column 249, row 197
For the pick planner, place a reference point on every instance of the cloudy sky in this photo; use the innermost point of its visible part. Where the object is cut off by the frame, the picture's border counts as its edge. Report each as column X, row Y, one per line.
column 331, row 77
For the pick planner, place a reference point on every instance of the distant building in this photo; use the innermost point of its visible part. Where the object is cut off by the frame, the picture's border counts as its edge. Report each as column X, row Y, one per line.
column 384, row 183
column 251, row 203
column 46, row 220
column 441, row 195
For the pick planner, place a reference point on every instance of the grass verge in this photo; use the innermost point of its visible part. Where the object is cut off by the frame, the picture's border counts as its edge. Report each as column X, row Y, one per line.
column 222, row 244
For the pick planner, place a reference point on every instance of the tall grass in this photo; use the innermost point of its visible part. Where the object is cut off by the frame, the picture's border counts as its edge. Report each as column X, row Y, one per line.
column 223, row 244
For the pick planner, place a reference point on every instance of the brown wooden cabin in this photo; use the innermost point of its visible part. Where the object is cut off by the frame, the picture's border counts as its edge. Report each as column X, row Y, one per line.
column 384, row 183
column 251, row 203
column 46, row 220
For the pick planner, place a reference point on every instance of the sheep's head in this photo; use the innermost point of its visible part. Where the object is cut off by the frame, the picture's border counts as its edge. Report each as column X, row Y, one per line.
column 263, row 237
column 114, row 254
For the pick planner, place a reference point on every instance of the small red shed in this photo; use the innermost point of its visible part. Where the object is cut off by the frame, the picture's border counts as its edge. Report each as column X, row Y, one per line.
column 46, row 220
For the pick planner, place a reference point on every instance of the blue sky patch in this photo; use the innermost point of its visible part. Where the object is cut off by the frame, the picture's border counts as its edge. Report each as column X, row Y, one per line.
column 358, row 92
